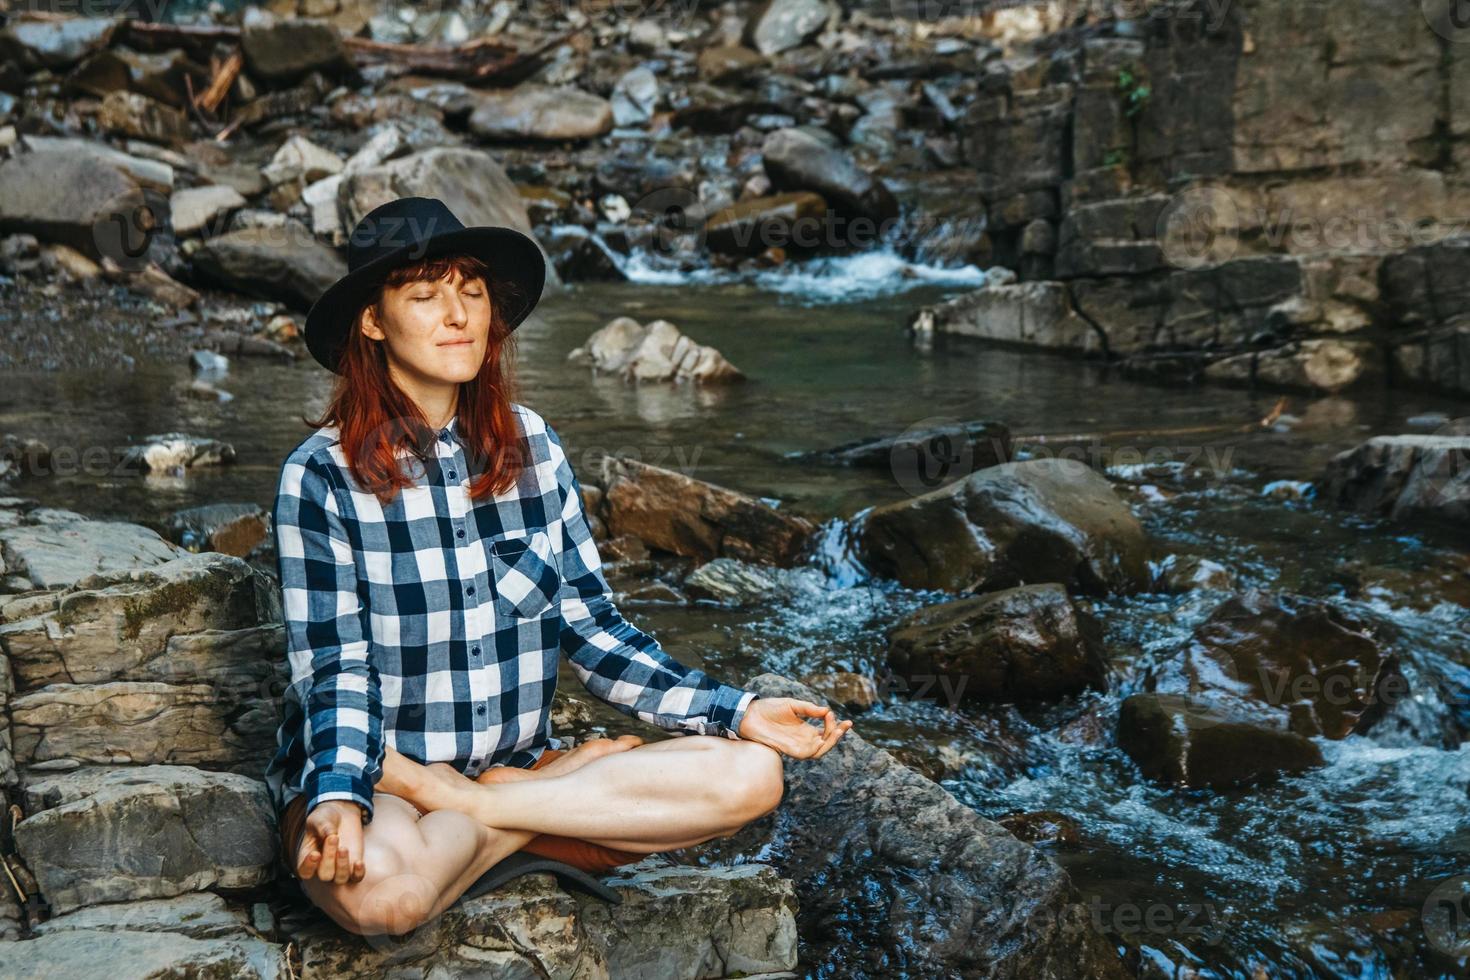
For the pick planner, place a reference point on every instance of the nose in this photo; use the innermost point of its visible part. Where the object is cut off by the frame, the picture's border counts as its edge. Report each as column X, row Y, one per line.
column 455, row 314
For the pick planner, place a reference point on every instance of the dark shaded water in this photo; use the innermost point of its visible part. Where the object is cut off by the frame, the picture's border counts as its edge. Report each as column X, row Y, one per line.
column 1324, row 874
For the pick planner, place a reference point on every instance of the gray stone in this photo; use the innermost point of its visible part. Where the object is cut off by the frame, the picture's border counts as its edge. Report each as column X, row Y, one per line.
column 284, row 50
column 785, row 24
column 285, row 265
column 198, row 915
column 653, row 352
column 204, row 830
column 1413, row 478
column 57, row 554
column 1041, row 520
column 540, row 112
column 101, row 953
column 634, row 97
column 204, row 209
column 172, row 451
column 796, row 160
column 55, row 43
column 961, row 895
column 1034, row 314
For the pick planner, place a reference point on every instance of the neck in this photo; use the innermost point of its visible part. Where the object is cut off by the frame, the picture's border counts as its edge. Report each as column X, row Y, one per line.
column 438, row 400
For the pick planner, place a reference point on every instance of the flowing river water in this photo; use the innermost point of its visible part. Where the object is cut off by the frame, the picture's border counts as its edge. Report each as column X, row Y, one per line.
column 1322, row 874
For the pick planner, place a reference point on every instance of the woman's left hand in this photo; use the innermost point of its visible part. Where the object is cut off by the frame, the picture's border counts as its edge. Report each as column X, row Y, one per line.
column 781, row 724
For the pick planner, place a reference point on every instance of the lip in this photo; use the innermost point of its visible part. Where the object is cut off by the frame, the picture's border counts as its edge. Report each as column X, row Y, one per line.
column 456, row 343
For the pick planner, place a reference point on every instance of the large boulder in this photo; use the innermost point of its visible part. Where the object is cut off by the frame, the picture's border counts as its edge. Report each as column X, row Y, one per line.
column 287, row 265
column 198, row 915
column 1034, row 314
column 202, row 830
column 1303, row 661
column 727, row 921
column 283, row 50
column 60, row 43
column 1184, row 741
column 469, row 181
column 89, row 200
column 795, row 160
column 1024, row 644
column 677, row 513
column 1423, row 477
column 922, row 884
column 1040, row 520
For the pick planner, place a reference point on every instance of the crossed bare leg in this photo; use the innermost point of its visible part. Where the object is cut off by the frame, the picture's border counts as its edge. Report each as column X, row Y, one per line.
column 627, row 795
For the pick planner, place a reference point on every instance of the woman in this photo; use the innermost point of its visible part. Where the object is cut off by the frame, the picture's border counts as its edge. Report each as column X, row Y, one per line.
column 435, row 562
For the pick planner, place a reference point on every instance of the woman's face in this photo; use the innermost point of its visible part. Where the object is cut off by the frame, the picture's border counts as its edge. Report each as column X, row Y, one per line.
column 433, row 332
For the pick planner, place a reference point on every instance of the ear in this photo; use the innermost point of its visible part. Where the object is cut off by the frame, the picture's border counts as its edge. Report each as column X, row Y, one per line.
column 367, row 322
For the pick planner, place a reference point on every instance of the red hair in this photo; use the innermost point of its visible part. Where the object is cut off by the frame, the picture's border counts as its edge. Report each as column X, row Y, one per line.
column 377, row 419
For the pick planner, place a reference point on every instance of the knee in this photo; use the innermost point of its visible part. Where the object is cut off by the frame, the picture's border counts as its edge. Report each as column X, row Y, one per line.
column 390, row 899
column 758, row 778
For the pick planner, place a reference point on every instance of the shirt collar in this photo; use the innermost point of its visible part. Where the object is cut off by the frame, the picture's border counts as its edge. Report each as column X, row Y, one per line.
column 453, row 428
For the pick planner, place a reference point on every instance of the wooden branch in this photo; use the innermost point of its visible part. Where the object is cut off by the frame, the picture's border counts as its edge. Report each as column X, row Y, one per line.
column 219, row 86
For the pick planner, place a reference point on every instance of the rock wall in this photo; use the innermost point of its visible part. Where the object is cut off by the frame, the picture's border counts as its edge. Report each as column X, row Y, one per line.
column 1266, row 190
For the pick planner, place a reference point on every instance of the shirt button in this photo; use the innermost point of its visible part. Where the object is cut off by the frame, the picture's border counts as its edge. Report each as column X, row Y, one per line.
column 479, row 709
column 459, row 533
column 451, row 474
column 469, row 590
column 444, row 434
column 476, row 651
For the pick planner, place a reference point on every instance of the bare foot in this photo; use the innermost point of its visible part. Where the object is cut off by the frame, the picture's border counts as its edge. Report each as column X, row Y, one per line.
column 575, row 758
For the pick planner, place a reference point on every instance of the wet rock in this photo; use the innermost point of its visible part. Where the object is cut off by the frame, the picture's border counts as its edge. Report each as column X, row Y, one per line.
column 176, row 451
column 96, row 953
column 205, row 209
column 1185, row 741
column 542, row 112
column 584, row 257
column 285, row 265
column 150, row 175
column 198, row 915
column 737, row 583
column 70, row 263
column 54, row 554
column 855, row 692
column 231, row 529
column 285, row 50
column 1036, row 314
column 1409, row 478
column 785, row 24
column 1302, row 660
column 634, row 97
column 1024, row 644
column 1042, row 827
column 923, row 457
column 797, row 160
column 1185, row 573
column 132, row 114
column 36, row 44
column 204, row 830
column 673, row 922
column 795, row 219
column 963, row 896
column 1327, row 365
column 653, row 352
column 1042, row 520
column 677, row 513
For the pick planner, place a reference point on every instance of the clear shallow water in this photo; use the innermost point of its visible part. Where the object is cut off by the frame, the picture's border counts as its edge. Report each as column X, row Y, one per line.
column 1323, row 874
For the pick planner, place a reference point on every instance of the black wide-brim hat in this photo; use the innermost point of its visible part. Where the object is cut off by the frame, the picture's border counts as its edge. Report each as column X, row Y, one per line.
column 411, row 230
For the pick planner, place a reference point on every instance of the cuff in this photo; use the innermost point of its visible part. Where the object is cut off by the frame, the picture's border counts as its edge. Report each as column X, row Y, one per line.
column 321, row 786
column 728, row 710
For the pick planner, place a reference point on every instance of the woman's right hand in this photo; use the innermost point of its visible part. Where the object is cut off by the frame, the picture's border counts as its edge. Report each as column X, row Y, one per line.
column 331, row 847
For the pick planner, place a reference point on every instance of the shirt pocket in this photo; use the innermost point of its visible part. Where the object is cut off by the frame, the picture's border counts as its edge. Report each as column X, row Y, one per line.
column 526, row 578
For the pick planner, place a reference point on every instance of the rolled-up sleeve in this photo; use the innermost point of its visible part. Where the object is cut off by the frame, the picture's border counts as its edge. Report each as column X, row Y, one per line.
column 617, row 662
column 327, row 639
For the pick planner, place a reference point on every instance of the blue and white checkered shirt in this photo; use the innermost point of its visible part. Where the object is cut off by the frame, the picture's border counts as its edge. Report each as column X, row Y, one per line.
column 435, row 624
